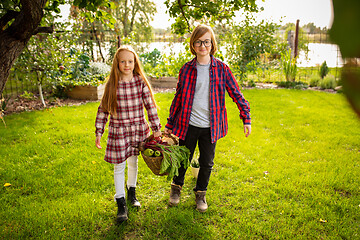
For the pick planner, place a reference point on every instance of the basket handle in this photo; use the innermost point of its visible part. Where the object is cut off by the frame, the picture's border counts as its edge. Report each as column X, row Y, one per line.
column 172, row 136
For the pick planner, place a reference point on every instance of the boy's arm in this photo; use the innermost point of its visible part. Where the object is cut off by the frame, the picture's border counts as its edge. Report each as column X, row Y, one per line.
column 175, row 105
column 233, row 89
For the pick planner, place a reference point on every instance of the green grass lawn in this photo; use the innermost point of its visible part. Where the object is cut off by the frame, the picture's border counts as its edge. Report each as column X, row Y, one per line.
column 296, row 177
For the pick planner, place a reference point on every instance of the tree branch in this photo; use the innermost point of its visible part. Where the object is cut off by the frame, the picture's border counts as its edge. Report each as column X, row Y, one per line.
column 189, row 5
column 6, row 18
column 27, row 20
column 43, row 30
column 133, row 14
column 183, row 13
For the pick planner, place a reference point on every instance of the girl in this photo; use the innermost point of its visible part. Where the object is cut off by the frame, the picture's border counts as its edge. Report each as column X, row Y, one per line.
column 127, row 92
column 198, row 114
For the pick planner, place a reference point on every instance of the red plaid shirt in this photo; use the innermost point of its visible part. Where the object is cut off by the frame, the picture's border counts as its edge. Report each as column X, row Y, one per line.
column 221, row 79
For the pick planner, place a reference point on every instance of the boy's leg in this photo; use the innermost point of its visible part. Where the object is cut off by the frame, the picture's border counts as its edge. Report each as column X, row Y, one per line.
column 206, row 159
column 206, row 162
column 178, row 181
column 190, row 142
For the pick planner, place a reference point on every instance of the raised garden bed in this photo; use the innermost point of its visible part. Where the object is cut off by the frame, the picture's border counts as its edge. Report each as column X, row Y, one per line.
column 163, row 82
column 86, row 92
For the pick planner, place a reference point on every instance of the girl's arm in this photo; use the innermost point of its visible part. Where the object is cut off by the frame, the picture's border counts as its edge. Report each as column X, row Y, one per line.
column 97, row 142
column 100, row 122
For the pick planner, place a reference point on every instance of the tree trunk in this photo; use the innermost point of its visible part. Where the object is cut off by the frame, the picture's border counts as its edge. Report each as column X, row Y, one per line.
column 133, row 14
column 14, row 38
column 39, row 77
column 125, row 19
column 41, row 94
column 296, row 43
column 97, row 41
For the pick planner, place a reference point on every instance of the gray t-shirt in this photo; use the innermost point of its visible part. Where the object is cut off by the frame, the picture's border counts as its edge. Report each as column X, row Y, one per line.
column 200, row 113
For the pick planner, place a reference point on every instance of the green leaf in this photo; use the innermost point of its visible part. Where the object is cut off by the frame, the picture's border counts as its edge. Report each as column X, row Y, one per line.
column 345, row 30
column 173, row 157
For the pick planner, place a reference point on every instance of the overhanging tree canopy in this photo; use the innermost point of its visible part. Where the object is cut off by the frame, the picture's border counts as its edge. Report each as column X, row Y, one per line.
column 186, row 12
column 21, row 19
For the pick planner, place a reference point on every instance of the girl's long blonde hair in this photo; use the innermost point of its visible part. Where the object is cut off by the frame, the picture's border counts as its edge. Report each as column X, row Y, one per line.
column 108, row 101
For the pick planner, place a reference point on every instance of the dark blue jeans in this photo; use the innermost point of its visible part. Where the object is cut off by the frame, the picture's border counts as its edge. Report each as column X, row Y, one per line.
column 202, row 137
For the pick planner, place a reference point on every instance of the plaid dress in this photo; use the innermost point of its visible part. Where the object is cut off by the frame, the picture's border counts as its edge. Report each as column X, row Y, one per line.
column 129, row 127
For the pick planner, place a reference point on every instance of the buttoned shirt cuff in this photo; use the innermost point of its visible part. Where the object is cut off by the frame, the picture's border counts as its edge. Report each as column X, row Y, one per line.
column 169, row 126
column 156, row 128
column 247, row 121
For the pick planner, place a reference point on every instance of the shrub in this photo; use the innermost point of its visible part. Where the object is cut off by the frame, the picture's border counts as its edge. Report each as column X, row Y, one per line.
column 289, row 66
column 152, row 58
column 324, row 70
column 166, row 66
column 27, row 95
column 328, row 82
column 296, row 85
column 314, row 81
column 83, row 72
column 251, row 83
column 99, row 68
column 89, row 80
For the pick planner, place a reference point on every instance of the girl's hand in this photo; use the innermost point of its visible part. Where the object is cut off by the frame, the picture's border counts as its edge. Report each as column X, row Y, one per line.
column 97, row 142
column 247, row 130
column 157, row 134
column 168, row 131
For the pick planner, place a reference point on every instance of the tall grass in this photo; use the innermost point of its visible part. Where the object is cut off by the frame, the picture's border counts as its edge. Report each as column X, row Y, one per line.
column 295, row 177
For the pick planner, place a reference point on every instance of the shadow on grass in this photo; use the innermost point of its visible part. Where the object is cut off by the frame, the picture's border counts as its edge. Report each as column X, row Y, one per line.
column 157, row 220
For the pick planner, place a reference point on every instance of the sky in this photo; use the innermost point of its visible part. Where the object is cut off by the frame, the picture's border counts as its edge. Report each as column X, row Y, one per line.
column 318, row 12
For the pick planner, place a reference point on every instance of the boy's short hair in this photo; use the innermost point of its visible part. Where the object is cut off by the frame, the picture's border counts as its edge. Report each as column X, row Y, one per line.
column 197, row 33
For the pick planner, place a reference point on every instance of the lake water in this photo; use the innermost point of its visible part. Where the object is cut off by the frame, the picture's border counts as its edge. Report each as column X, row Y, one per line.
column 318, row 53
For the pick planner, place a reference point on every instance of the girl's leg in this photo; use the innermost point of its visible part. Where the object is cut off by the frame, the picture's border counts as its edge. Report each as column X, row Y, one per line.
column 119, row 180
column 132, row 171
column 132, row 163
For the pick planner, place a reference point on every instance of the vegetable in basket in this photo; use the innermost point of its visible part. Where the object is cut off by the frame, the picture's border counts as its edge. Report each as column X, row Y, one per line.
column 173, row 156
column 148, row 152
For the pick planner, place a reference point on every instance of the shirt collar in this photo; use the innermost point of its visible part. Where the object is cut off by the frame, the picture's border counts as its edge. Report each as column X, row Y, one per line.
column 213, row 62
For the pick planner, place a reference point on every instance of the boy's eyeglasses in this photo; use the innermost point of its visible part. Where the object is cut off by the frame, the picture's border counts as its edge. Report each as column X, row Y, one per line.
column 198, row 43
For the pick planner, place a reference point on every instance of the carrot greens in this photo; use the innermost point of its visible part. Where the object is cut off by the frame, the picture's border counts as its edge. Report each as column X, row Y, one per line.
column 173, row 157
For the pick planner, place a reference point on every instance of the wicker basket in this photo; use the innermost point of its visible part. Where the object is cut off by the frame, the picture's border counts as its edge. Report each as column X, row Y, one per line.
column 154, row 163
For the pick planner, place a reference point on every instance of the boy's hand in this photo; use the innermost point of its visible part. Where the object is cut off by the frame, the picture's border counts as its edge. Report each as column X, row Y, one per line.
column 247, row 130
column 168, row 131
column 157, row 134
